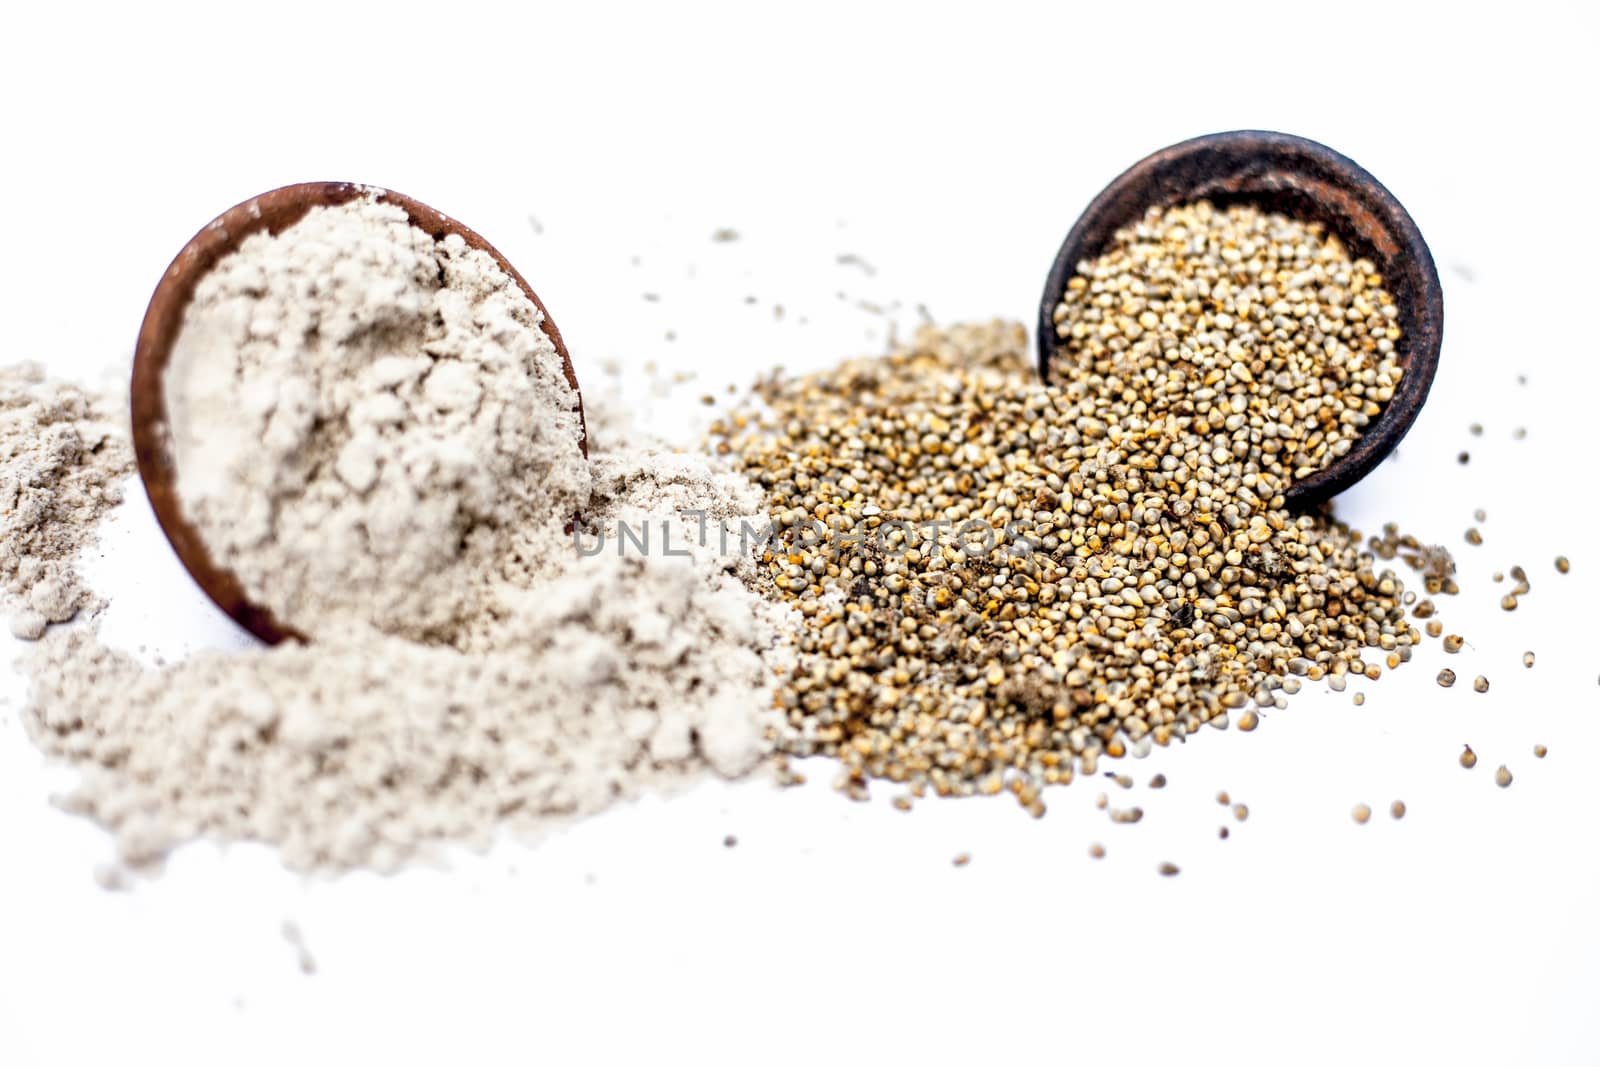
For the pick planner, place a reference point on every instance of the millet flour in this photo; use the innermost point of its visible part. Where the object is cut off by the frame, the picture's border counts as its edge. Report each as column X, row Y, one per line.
column 367, row 423
column 63, row 459
column 471, row 668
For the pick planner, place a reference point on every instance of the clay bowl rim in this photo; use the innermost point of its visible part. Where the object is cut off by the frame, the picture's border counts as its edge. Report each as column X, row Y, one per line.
column 1303, row 179
column 273, row 212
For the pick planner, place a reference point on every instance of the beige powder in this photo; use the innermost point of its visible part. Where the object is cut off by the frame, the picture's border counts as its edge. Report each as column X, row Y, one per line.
column 63, row 459
column 371, row 429
column 608, row 676
column 366, row 423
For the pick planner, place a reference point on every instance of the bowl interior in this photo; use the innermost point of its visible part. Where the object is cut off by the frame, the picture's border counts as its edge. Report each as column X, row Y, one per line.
column 1305, row 180
column 273, row 212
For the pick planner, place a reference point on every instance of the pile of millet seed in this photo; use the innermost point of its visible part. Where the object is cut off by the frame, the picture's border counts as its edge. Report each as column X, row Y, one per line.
column 1003, row 580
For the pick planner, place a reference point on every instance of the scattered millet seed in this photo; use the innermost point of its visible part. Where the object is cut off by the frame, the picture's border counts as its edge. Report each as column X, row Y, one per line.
column 1509, row 602
column 1336, row 682
column 1127, row 815
column 1562, row 566
column 1241, row 812
column 1124, row 781
column 1248, row 721
column 1473, row 536
column 1291, row 685
column 1481, row 684
column 961, row 859
column 1097, row 851
column 1398, row 809
column 1168, row 869
column 1358, row 699
column 1527, row 659
column 1435, row 627
column 1099, row 579
column 1447, row 678
column 902, row 803
column 1102, row 801
column 1476, row 429
column 1222, row 798
column 1480, row 515
column 1424, row 609
column 1463, row 458
column 1498, row 576
column 1502, row 777
column 729, row 841
column 1158, row 782
column 1453, row 642
column 1539, row 751
column 1361, row 813
column 1519, row 433
column 1469, row 758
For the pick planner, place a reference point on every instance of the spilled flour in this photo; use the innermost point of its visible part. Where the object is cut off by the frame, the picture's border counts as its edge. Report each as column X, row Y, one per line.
column 612, row 676
column 63, row 458
column 546, row 682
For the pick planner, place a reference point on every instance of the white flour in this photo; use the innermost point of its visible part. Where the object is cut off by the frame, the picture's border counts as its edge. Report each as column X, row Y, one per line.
column 62, row 462
column 365, row 423
column 531, row 683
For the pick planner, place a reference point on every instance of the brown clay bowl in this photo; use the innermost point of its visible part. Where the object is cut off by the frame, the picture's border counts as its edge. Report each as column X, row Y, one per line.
column 1301, row 179
column 273, row 212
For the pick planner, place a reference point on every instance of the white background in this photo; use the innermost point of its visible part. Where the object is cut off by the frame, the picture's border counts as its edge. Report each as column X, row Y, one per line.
column 951, row 147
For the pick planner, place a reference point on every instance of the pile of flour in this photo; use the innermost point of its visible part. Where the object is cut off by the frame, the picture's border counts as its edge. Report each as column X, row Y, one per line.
column 63, row 459
column 613, row 676
column 366, row 422
column 485, row 673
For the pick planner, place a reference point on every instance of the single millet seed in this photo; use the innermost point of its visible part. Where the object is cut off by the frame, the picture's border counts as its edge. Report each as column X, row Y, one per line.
column 1158, row 782
column 1358, row 699
column 1502, row 777
column 1481, row 684
column 1398, row 809
column 1222, row 798
column 1509, row 602
column 1473, row 536
column 1168, row 869
column 1453, row 643
column 1562, row 566
column 1241, row 812
column 1447, row 678
column 961, row 859
column 1527, row 659
column 1469, row 758
column 1097, row 851
column 1248, row 721
column 1434, row 627
column 1539, row 751
column 1361, row 813
column 1222, row 832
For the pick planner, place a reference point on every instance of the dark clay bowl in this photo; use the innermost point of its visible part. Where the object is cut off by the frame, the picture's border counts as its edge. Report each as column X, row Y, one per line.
column 273, row 212
column 1304, row 180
